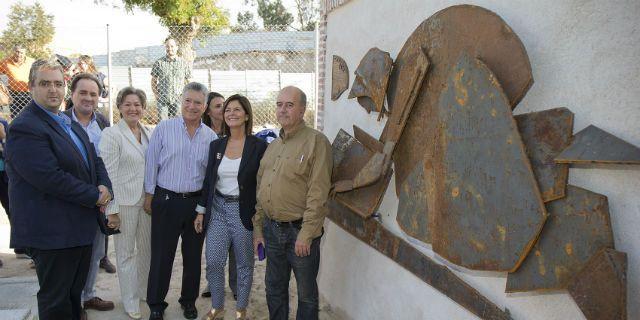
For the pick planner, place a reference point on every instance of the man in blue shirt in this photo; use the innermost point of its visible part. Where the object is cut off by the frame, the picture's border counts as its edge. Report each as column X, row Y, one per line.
column 57, row 183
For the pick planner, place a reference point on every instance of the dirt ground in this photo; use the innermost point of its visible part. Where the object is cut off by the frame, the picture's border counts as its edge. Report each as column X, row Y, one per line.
column 108, row 288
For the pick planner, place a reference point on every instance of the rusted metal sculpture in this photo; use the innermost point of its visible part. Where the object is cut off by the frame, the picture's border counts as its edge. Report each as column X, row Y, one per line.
column 446, row 34
column 594, row 145
column 412, row 206
column 487, row 209
column 600, row 288
column 339, row 77
column 545, row 134
column 578, row 227
column 352, row 165
column 407, row 78
column 371, row 232
column 372, row 77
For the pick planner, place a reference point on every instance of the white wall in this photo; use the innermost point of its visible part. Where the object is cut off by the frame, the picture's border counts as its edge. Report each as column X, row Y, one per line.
column 585, row 56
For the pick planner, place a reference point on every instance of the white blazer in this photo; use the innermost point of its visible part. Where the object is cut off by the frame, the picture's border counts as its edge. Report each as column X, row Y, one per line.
column 123, row 157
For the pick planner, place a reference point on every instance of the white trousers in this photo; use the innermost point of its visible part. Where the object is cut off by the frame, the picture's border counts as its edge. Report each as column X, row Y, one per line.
column 133, row 255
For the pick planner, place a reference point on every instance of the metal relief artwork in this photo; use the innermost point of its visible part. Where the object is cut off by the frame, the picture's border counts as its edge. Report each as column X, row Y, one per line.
column 600, row 288
column 445, row 35
column 339, row 77
column 351, row 164
column 594, row 145
column 371, row 232
column 486, row 189
column 577, row 228
column 545, row 134
column 488, row 211
column 372, row 77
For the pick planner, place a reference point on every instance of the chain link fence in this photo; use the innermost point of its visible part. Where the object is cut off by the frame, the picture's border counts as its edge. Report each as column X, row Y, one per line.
column 256, row 64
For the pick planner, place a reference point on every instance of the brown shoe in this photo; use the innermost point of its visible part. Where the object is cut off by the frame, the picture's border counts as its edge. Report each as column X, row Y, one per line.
column 83, row 314
column 98, row 304
column 107, row 265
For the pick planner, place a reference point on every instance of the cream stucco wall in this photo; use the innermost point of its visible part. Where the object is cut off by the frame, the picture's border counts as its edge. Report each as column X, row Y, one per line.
column 585, row 56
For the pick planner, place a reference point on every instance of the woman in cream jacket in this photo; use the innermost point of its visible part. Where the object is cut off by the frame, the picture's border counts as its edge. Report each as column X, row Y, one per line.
column 123, row 148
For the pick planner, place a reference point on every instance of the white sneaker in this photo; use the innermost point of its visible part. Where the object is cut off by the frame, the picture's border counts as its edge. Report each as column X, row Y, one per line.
column 134, row 315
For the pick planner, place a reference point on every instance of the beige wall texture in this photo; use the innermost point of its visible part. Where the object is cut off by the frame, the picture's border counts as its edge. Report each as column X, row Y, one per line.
column 584, row 55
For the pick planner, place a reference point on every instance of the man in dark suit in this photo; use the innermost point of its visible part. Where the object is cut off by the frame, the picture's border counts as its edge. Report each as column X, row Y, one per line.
column 56, row 184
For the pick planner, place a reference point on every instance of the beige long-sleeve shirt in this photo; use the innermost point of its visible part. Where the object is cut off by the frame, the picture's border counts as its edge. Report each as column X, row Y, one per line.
column 294, row 181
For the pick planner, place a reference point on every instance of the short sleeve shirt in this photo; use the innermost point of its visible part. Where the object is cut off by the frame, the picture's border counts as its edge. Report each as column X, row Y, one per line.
column 172, row 75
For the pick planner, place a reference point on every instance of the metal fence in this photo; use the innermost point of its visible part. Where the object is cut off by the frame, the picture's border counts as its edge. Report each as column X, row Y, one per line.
column 256, row 64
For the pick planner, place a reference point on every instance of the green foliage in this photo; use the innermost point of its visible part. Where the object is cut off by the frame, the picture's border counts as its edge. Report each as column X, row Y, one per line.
column 307, row 12
column 29, row 26
column 245, row 22
column 181, row 12
column 273, row 13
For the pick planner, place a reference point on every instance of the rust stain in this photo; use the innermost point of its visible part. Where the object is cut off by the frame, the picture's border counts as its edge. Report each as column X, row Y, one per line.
column 478, row 245
column 462, row 94
column 503, row 232
column 568, row 248
column 561, row 272
column 493, row 111
column 455, row 192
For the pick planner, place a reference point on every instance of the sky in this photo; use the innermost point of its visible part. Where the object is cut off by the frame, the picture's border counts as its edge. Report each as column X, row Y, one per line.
column 81, row 24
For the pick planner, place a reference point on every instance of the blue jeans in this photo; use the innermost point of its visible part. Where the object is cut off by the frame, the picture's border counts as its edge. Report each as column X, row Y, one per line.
column 280, row 244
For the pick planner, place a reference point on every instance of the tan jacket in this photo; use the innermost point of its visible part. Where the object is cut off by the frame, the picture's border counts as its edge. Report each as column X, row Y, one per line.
column 294, row 181
column 123, row 157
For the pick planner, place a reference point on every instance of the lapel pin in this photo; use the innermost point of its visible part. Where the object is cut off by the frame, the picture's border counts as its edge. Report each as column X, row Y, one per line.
column 218, row 156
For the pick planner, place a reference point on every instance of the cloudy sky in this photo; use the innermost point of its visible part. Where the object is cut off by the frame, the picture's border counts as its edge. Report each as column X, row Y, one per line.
column 81, row 24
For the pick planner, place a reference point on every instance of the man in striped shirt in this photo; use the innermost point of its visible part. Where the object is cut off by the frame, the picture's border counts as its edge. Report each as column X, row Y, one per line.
column 175, row 168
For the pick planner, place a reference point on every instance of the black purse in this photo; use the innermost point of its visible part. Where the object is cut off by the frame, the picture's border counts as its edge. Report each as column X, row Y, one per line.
column 102, row 223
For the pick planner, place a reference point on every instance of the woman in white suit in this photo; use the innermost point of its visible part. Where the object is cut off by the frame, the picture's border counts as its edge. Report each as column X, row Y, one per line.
column 123, row 148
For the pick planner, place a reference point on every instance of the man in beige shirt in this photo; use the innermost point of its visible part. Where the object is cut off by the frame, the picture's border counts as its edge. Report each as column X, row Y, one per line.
column 293, row 186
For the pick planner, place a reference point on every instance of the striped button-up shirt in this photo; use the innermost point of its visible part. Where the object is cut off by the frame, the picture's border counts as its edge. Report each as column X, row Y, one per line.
column 175, row 161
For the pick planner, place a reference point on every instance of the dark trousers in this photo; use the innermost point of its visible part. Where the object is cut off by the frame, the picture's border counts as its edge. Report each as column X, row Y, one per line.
column 280, row 244
column 61, row 274
column 172, row 217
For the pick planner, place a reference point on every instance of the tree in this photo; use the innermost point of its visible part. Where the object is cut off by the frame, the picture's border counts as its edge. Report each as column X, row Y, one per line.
column 30, row 27
column 185, row 20
column 245, row 22
column 273, row 13
column 307, row 13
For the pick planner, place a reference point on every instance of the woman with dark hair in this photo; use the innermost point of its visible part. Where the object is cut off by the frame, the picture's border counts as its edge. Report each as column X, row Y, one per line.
column 212, row 117
column 86, row 64
column 122, row 148
column 228, row 203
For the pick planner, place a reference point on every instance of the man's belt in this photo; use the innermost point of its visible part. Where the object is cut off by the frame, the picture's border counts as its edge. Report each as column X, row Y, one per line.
column 183, row 195
column 287, row 224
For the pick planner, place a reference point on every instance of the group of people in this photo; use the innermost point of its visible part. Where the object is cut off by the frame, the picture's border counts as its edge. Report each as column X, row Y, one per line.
column 201, row 176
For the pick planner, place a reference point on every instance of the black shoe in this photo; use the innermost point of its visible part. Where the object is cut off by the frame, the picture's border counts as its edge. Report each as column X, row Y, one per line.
column 156, row 315
column 107, row 265
column 190, row 311
column 206, row 294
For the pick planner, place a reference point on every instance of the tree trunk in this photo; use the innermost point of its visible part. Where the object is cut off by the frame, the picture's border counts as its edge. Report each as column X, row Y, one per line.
column 184, row 36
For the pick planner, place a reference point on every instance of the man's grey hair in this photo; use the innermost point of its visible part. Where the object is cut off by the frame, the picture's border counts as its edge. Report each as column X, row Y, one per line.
column 196, row 86
column 41, row 64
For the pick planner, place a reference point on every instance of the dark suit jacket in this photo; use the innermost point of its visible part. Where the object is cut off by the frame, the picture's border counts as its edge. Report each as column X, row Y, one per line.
column 102, row 121
column 251, row 155
column 52, row 192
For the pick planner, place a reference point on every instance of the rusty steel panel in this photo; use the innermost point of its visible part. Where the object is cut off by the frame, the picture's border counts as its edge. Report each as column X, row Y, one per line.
column 545, row 134
column 412, row 206
column 367, row 140
column 446, row 34
column 487, row 210
column 371, row 232
column 349, row 158
column 372, row 78
column 577, row 228
column 339, row 77
column 405, row 83
column 594, row 145
column 600, row 289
